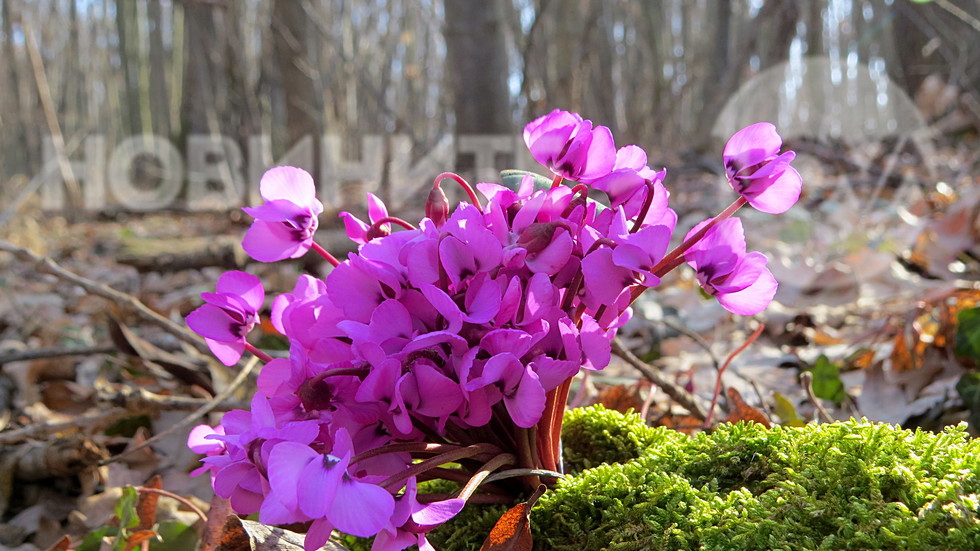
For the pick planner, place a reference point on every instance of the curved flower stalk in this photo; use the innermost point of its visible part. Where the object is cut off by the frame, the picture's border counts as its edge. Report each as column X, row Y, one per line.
column 455, row 342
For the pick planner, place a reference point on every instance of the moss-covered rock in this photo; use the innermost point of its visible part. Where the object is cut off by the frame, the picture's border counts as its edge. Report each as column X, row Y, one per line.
column 853, row 485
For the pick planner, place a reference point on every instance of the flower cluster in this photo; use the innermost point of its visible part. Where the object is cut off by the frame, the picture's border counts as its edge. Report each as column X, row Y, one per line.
column 455, row 342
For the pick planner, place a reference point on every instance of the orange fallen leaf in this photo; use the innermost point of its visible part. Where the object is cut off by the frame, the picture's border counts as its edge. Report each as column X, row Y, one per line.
column 513, row 531
column 741, row 411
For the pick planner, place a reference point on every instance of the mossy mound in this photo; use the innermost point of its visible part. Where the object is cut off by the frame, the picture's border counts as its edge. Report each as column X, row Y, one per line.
column 853, row 485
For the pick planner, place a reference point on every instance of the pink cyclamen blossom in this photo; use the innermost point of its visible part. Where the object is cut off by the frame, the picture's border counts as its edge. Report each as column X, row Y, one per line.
column 758, row 172
column 229, row 315
column 465, row 329
column 284, row 225
column 360, row 232
column 739, row 280
column 570, row 147
column 321, row 487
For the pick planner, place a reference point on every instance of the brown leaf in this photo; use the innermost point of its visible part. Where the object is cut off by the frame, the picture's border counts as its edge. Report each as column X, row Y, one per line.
column 621, row 398
column 157, row 359
column 246, row 535
column 688, row 424
column 136, row 538
column 513, row 531
column 146, row 507
column 61, row 545
column 741, row 411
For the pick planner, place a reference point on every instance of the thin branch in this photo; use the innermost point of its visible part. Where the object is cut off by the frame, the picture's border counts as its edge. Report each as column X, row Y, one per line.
column 681, row 396
column 210, row 406
column 807, row 379
column 47, row 265
column 44, row 353
column 97, row 419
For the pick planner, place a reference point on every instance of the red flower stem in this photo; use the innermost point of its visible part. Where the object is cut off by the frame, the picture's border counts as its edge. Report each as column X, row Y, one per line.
column 647, row 201
column 411, row 447
column 484, row 472
column 323, row 252
column 724, row 366
column 183, row 501
column 396, row 480
column 394, row 220
column 660, row 269
column 557, row 181
column 545, row 448
column 258, row 353
column 463, row 183
column 558, row 415
column 580, row 189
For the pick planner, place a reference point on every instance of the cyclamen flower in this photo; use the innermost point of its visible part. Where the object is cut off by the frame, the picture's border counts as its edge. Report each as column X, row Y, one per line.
column 570, row 147
column 758, row 172
column 321, row 487
column 454, row 341
column 285, row 224
column 358, row 231
column 739, row 280
column 229, row 315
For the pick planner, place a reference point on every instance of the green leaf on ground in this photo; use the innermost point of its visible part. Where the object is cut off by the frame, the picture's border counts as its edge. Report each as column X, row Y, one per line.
column 826, row 380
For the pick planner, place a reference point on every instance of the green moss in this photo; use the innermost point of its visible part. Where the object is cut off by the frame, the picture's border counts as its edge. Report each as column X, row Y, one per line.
column 854, row 485
column 592, row 436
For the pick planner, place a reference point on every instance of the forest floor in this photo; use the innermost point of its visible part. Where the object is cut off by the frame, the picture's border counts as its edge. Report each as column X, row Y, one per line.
column 876, row 265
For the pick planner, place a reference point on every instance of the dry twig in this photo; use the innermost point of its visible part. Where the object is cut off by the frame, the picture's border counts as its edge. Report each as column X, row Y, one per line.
column 44, row 353
column 200, row 412
column 807, row 379
column 47, row 265
column 681, row 396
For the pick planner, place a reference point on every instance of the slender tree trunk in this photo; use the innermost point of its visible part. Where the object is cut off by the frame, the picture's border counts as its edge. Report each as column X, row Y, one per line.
column 128, row 38
column 477, row 65
column 159, row 102
column 290, row 38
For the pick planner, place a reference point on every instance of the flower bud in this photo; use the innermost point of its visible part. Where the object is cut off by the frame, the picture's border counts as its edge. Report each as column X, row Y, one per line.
column 378, row 230
column 536, row 237
column 437, row 206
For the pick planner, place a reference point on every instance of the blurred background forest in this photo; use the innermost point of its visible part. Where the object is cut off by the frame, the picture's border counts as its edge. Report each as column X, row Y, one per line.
column 658, row 73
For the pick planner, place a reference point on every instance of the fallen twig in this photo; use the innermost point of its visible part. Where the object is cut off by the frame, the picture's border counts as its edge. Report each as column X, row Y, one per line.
column 43, row 353
column 200, row 412
column 807, row 379
column 679, row 395
column 47, row 265
column 90, row 421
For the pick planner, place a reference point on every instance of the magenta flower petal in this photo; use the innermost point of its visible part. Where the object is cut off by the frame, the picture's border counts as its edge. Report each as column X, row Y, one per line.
column 318, row 535
column 271, row 242
column 779, row 195
column 287, row 462
column 199, row 442
column 288, row 183
column 438, row 512
column 360, row 509
column 212, row 322
column 758, row 172
column 526, row 403
column 752, row 299
column 321, row 480
column 242, row 285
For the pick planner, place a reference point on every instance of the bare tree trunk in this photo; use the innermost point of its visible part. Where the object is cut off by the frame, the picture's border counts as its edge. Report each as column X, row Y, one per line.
column 290, row 38
column 18, row 113
column 199, row 113
column 128, row 41
column 477, row 64
column 159, row 102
